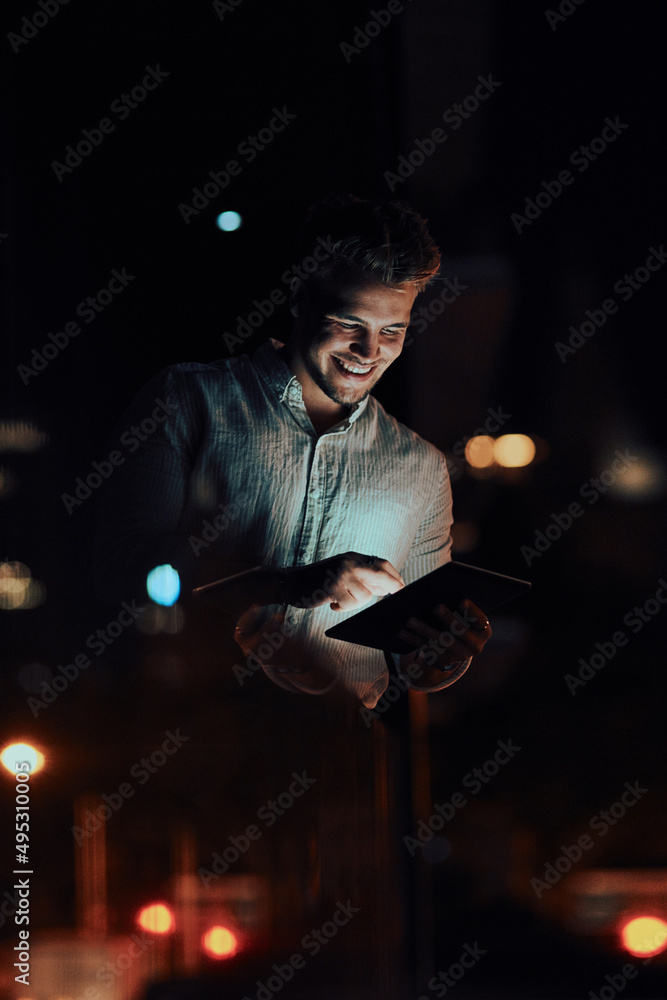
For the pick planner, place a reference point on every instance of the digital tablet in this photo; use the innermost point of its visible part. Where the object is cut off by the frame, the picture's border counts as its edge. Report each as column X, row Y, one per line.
column 377, row 626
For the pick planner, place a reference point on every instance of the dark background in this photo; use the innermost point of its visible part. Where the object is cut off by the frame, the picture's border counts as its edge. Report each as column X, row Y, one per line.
column 495, row 348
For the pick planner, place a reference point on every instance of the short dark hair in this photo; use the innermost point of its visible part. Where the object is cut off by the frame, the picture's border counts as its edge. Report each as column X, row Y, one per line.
column 386, row 242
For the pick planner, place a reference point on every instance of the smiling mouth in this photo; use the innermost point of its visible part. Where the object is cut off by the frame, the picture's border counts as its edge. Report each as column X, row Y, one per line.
column 354, row 371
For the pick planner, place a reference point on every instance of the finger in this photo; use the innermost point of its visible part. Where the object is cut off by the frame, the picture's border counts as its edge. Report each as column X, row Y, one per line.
column 460, row 630
column 349, row 595
column 386, row 567
column 421, row 635
column 457, row 619
column 365, row 582
column 443, row 644
column 381, row 567
column 409, row 635
column 476, row 617
column 379, row 582
column 423, row 630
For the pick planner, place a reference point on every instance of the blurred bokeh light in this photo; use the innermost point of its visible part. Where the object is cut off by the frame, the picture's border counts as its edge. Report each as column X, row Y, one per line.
column 156, row 918
column 644, row 936
column 219, row 942
column 19, row 752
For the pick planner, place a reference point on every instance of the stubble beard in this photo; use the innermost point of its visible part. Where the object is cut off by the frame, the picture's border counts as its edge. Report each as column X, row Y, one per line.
column 330, row 388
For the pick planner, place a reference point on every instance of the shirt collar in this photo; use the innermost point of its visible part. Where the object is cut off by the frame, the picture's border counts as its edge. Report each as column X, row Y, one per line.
column 277, row 376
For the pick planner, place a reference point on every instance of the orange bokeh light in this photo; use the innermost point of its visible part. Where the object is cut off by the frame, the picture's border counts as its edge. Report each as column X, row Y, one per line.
column 644, row 936
column 514, row 450
column 479, row 451
column 157, row 918
column 219, row 942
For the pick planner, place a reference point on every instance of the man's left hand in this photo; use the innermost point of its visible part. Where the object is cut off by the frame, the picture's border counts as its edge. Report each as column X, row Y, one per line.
column 464, row 634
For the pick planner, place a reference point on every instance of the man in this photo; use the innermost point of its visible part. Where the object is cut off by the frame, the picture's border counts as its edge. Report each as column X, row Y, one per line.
column 329, row 501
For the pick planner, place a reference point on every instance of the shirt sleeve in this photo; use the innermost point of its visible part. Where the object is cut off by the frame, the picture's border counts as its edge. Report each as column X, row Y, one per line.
column 433, row 544
column 432, row 548
column 141, row 506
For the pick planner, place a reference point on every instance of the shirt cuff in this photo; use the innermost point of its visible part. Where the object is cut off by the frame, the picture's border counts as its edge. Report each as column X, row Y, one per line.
column 450, row 676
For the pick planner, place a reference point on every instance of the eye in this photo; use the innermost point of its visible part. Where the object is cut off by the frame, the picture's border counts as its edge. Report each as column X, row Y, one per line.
column 392, row 333
column 339, row 322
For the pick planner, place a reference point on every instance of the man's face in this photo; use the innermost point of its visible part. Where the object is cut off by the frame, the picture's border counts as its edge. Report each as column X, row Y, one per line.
column 348, row 332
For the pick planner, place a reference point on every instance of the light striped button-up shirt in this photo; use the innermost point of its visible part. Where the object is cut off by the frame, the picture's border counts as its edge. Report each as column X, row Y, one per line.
column 238, row 448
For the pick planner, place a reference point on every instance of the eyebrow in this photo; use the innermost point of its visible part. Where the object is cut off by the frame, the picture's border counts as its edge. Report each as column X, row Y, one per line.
column 357, row 319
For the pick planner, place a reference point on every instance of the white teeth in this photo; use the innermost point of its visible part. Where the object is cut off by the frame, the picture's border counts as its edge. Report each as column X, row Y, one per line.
column 353, row 369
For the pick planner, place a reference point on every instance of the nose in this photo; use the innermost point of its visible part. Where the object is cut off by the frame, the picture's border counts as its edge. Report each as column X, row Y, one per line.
column 366, row 345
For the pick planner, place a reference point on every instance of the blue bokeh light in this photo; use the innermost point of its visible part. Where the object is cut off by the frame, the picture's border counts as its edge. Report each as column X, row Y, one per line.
column 228, row 221
column 163, row 585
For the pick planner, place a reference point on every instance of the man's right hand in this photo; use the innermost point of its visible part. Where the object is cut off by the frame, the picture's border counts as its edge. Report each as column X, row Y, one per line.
column 345, row 582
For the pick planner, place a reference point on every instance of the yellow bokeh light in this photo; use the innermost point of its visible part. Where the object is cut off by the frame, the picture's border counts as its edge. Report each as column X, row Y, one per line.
column 18, row 589
column 645, row 479
column 17, row 753
column 480, row 452
column 219, row 942
column 156, row 919
column 21, row 435
column 644, row 936
column 14, row 576
column 514, row 450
